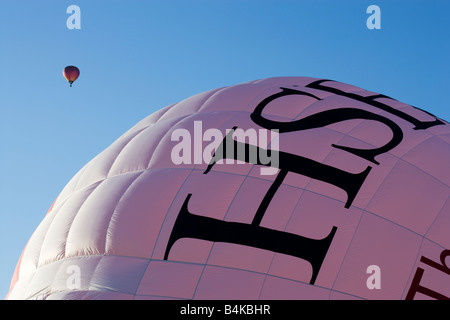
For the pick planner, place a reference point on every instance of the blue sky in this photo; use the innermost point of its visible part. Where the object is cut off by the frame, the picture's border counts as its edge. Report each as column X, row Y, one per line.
column 136, row 57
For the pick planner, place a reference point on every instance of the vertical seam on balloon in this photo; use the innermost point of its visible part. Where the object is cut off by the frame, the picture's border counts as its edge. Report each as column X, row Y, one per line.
column 100, row 257
column 117, row 204
column 77, row 212
column 231, row 202
column 434, row 220
column 257, row 96
column 192, row 170
column 145, row 122
column 38, row 255
column 357, row 226
column 59, row 207
column 162, row 224
column 19, row 264
column 213, row 243
column 415, row 166
column 229, row 206
column 81, row 173
column 299, row 200
column 169, row 107
column 359, row 221
column 43, row 241
column 345, row 254
column 212, row 93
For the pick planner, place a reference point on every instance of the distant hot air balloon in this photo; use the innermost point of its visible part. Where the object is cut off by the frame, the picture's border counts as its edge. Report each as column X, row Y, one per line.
column 359, row 207
column 71, row 74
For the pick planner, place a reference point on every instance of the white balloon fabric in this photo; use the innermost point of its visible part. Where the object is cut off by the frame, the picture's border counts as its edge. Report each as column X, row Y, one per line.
column 354, row 202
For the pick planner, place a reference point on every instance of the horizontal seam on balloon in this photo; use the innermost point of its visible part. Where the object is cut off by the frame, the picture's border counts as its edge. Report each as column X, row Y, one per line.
column 353, row 206
column 159, row 296
column 47, row 289
column 284, row 184
column 284, row 278
column 123, row 147
column 417, row 145
column 100, row 256
column 68, row 230
column 87, row 256
column 439, row 136
column 152, row 259
column 252, row 271
column 96, row 256
column 196, row 264
column 90, row 162
column 93, row 273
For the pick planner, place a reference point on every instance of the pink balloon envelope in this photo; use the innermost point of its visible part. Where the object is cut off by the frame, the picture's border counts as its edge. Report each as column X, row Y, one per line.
column 353, row 202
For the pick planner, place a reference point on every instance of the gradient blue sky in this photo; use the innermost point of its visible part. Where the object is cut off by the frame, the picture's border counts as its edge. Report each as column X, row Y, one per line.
column 136, row 57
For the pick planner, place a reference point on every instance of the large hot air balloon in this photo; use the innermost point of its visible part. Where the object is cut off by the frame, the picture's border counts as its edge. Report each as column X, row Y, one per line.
column 71, row 73
column 353, row 202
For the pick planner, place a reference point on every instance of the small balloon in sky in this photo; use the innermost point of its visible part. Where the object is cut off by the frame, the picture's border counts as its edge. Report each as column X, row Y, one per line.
column 71, row 73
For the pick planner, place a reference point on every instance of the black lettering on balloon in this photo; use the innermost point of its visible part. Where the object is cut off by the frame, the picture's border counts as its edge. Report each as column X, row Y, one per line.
column 417, row 287
column 268, row 197
column 418, row 125
column 314, row 251
column 328, row 117
column 288, row 162
column 188, row 225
